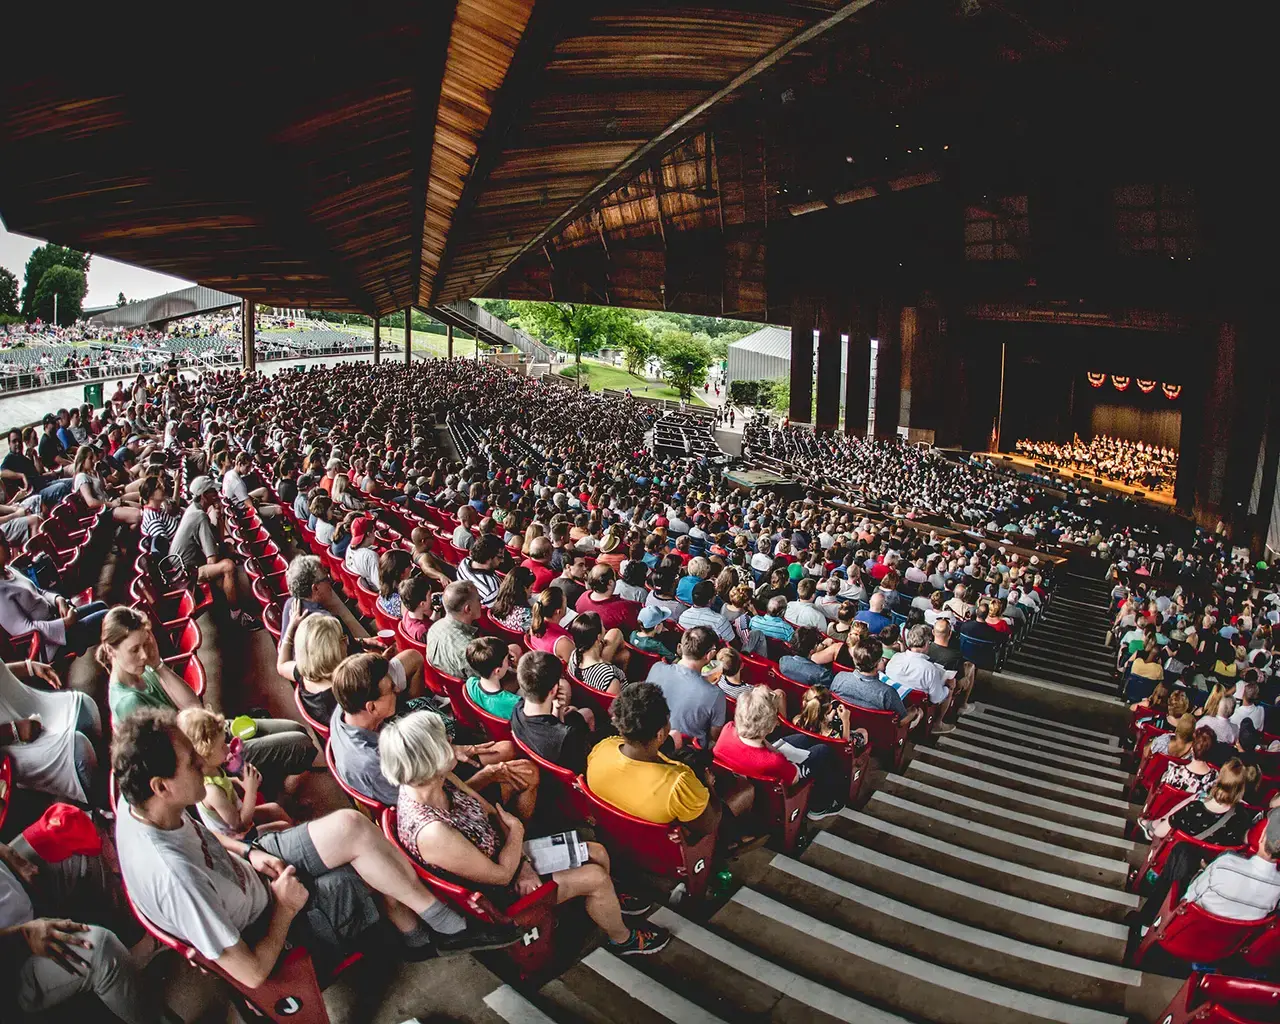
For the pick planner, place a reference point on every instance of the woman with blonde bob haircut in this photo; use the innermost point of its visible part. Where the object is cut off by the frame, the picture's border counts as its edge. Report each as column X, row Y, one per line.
column 310, row 649
column 744, row 746
column 1217, row 817
column 445, row 826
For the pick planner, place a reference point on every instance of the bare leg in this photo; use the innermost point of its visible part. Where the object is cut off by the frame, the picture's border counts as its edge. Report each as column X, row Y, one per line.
column 348, row 837
column 592, row 882
column 414, row 674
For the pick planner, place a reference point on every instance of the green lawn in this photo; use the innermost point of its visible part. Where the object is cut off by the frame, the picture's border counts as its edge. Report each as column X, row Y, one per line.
column 600, row 375
column 393, row 339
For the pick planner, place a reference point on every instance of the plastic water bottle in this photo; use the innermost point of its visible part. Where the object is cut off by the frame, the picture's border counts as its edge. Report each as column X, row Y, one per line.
column 720, row 884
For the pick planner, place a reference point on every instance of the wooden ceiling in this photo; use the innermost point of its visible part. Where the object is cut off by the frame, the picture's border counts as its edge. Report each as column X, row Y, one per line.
column 375, row 156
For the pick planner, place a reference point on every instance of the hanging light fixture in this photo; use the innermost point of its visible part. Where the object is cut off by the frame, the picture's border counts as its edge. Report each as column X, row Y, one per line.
column 1171, row 391
column 1119, row 383
column 1097, row 379
column 1145, row 386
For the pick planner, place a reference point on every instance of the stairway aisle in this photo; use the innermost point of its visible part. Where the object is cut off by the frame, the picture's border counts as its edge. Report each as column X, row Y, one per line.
column 985, row 885
column 1067, row 645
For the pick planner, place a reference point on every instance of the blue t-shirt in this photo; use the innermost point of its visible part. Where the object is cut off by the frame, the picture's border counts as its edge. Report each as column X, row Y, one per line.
column 874, row 620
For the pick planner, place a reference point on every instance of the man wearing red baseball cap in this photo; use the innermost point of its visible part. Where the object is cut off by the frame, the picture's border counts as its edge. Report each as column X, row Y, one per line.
column 54, row 867
column 361, row 558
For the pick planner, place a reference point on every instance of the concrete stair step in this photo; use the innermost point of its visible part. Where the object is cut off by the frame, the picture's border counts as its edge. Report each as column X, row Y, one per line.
column 1038, row 739
column 989, row 906
column 603, row 988
column 1020, row 821
column 825, row 949
column 1051, row 660
column 1066, row 729
column 918, row 844
column 717, row 966
column 979, row 768
column 953, row 780
column 1046, row 853
column 942, row 940
column 1100, row 779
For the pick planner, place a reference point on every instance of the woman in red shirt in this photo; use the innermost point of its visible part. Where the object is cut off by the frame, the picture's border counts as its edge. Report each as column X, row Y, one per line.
column 744, row 746
column 995, row 617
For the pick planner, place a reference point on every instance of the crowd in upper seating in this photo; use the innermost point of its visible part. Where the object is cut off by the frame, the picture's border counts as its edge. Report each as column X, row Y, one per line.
column 562, row 602
column 1137, row 463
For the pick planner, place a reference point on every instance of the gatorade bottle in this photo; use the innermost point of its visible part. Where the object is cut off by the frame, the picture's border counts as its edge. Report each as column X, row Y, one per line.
column 720, row 883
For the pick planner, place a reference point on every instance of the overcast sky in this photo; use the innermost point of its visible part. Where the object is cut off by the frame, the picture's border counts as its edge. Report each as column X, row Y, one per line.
column 107, row 278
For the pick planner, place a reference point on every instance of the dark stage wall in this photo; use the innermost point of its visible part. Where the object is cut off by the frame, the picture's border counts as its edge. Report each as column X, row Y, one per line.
column 1161, row 425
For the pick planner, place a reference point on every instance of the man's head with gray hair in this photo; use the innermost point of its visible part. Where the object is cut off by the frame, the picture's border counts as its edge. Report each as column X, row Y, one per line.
column 462, row 601
column 699, row 567
column 876, row 603
column 919, row 637
column 305, row 573
column 942, row 630
column 1270, row 845
column 777, row 606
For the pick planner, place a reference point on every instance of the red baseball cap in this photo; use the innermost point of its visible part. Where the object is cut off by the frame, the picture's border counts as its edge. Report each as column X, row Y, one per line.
column 360, row 529
column 61, row 832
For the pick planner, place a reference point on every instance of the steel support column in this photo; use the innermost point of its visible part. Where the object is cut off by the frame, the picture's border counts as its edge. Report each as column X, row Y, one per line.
column 857, row 384
column 408, row 336
column 828, row 384
column 802, row 321
column 377, row 340
column 249, row 350
column 448, row 333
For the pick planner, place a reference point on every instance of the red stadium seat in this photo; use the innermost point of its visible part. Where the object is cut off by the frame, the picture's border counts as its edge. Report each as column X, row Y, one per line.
column 1150, row 772
column 662, row 850
column 1159, row 853
column 585, row 696
column 452, row 687
column 291, row 995
column 535, row 914
column 557, row 787
column 1221, row 999
column 370, row 806
column 273, row 621
column 188, row 666
column 366, row 597
column 640, row 662
column 888, row 737
column 321, row 729
column 6, row 786
column 1262, row 951
column 1186, row 931
column 778, row 810
column 491, row 626
column 383, row 620
column 757, row 671
column 494, row 727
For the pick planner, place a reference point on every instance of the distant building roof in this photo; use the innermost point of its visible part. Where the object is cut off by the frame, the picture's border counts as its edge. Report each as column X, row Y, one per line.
column 772, row 341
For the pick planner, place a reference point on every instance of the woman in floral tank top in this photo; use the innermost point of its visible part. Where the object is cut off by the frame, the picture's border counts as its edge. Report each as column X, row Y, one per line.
column 446, row 827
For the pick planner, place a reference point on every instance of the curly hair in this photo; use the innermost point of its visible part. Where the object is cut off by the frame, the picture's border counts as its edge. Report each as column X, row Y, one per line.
column 141, row 750
column 639, row 712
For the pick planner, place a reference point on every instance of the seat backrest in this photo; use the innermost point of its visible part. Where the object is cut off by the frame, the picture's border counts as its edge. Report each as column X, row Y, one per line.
column 981, row 652
column 778, row 809
column 367, row 804
column 1188, row 932
column 659, row 849
column 1263, row 950
column 1155, row 767
column 888, row 738
column 492, row 627
column 495, row 728
column 640, row 662
column 188, row 666
column 454, row 688
column 1238, row 993
column 273, row 620
column 1162, row 800
column 585, row 696
column 321, row 729
column 756, row 670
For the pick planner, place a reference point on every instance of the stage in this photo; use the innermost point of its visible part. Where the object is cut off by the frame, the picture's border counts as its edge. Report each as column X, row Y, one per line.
column 1163, row 498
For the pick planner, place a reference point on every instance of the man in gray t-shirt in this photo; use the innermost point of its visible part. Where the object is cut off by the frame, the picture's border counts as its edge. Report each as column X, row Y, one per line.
column 697, row 706
column 195, row 545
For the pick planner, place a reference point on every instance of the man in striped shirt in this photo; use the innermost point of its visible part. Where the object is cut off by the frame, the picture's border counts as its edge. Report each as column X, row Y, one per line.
column 478, row 567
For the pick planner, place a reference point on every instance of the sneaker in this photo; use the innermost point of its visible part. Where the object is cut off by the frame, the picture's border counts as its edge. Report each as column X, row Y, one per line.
column 641, row 942
column 478, row 935
column 944, row 727
column 246, row 621
column 818, row 813
column 1144, row 827
column 633, row 906
column 964, row 711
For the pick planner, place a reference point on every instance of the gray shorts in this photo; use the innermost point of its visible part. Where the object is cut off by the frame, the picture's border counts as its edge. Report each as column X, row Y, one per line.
column 340, row 909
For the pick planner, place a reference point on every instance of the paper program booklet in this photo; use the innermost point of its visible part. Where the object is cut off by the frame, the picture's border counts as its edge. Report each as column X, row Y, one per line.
column 558, row 852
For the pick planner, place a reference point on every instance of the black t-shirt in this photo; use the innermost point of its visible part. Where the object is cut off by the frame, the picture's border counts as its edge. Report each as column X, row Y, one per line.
column 563, row 743
column 50, row 449
column 16, row 462
column 572, row 590
column 1196, row 821
column 949, row 658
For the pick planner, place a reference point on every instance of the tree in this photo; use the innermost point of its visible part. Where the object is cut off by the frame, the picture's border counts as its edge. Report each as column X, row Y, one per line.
column 39, row 262
column 637, row 345
column 69, row 285
column 685, row 361
column 121, row 300
column 563, row 324
column 8, row 292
